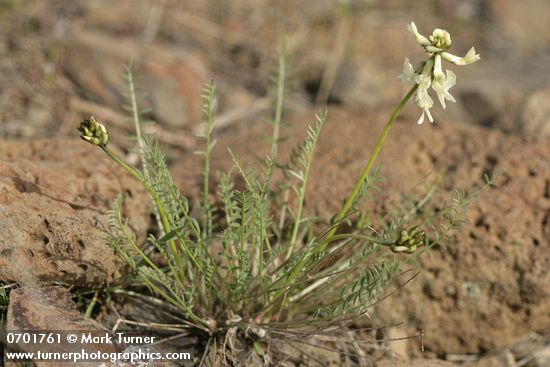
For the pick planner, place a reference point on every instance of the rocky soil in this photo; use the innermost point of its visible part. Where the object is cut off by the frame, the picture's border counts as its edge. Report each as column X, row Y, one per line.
column 54, row 198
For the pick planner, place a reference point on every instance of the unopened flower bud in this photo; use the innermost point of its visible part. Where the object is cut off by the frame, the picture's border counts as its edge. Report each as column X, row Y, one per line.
column 441, row 39
column 408, row 241
column 93, row 132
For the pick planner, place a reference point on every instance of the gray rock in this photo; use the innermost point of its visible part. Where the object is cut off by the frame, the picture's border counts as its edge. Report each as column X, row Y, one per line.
column 535, row 117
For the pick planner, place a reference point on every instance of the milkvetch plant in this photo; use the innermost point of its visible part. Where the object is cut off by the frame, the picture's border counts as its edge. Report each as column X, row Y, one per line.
column 235, row 271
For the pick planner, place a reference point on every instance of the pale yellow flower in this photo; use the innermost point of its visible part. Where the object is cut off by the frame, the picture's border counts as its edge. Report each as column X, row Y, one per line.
column 432, row 74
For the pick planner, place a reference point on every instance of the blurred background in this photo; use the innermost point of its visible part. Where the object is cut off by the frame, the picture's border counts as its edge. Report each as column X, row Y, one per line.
column 61, row 60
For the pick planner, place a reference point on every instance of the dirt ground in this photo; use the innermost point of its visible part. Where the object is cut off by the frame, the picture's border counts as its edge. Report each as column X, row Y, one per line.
column 482, row 301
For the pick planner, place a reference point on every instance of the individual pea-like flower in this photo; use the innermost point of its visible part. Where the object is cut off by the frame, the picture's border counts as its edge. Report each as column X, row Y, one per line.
column 431, row 73
column 93, row 132
column 441, row 83
column 469, row 58
column 423, row 99
column 408, row 72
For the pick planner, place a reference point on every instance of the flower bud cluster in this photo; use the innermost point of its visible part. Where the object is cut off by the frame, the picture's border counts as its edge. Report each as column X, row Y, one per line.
column 93, row 132
column 409, row 240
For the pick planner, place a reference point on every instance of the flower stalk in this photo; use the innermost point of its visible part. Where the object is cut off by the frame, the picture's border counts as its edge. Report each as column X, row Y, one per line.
column 430, row 74
column 96, row 134
column 348, row 204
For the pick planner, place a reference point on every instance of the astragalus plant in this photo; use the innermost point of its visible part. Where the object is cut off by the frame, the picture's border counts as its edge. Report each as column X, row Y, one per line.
column 235, row 270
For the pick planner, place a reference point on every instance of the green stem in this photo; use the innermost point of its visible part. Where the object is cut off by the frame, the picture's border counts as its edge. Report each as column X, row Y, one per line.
column 90, row 308
column 135, row 111
column 206, row 187
column 167, row 228
column 278, row 105
column 352, row 198
column 178, row 303
column 349, row 201
column 137, row 125
column 208, row 116
column 298, row 218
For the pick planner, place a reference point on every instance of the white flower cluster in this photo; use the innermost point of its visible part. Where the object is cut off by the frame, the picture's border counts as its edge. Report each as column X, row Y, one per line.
column 431, row 73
